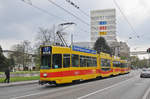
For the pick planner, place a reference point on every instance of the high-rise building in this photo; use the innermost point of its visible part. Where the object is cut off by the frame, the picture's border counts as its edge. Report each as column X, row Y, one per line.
column 103, row 23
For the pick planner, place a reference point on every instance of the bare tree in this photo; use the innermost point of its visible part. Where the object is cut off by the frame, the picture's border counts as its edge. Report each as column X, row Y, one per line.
column 46, row 36
column 21, row 54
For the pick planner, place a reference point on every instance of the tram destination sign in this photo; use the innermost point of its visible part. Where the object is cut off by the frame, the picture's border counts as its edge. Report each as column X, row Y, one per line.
column 46, row 50
column 81, row 49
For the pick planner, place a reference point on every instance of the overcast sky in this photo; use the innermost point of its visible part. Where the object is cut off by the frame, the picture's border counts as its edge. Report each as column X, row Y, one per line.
column 20, row 21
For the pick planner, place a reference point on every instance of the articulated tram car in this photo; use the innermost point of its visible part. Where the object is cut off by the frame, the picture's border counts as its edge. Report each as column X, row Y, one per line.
column 66, row 65
column 116, row 65
column 105, row 66
column 124, row 67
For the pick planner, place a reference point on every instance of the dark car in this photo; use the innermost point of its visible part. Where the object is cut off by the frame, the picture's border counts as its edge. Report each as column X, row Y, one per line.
column 145, row 73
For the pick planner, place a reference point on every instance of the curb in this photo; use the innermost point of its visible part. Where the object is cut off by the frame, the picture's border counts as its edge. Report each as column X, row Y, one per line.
column 18, row 83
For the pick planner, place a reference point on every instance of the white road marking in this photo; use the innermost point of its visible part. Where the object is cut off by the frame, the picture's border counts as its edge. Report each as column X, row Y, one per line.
column 45, row 92
column 30, row 95
column 146, row 94
column 82, row 97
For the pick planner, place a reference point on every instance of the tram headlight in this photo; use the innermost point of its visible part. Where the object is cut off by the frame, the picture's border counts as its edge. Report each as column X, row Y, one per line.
column 45, row 75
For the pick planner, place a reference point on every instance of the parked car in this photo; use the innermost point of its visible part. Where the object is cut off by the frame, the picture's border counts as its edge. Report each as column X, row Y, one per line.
column 145, row 73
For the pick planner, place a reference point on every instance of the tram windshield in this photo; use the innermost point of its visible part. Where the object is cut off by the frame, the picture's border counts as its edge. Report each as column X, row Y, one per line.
column 123, row 65
column 45, row 61
column 46, row 57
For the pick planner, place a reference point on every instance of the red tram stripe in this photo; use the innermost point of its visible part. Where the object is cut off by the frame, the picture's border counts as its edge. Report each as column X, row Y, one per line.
column 75, row 73
column 106, row 72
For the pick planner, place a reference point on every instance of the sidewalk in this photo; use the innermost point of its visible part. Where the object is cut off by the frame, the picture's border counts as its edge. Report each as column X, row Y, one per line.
column 18, row 83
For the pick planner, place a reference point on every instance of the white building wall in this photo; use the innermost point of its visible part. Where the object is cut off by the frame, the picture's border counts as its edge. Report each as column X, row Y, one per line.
column 108, row 16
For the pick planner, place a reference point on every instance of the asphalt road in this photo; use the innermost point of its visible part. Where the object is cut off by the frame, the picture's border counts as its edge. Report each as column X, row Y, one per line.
column 129, row 86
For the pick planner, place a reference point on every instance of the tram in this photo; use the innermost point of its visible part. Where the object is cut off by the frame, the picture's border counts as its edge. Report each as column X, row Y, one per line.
column 106, row 68
column 124, row 67
column 66, row 65
column 116, row 65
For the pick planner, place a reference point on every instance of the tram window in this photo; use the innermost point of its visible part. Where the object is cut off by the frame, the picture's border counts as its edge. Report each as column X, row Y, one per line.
column 118, row 65
column 88, row 61
column 123, row 65
column 105, row 62
column 91, row 62
column 115, row 64
column 75, row 60
column 66, row 60
column 108, row 63
column 95, row 62
column 45, row 61
column 102, row 62
column 82, row 61
column 85, row 61
column 57, row 61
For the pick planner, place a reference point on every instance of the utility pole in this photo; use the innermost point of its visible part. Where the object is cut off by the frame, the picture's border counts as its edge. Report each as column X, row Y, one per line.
column 71, row 39
column 54, row 42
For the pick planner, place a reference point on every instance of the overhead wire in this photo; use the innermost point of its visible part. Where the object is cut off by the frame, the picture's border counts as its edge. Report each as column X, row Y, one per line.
column 84, row 13
column 124, row 16
column 69, row 12
column 73, row 4
column 43, row 10
column 77, row 7
column 48, row 13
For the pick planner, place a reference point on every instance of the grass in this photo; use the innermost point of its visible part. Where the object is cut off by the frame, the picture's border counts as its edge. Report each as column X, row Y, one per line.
column 22, row 72
column 16, row 79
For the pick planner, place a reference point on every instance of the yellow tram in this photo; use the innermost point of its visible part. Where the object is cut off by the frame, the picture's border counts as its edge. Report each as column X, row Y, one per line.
column 66, row 65
column 116, row 65
column 124, row 67
column 106, row 68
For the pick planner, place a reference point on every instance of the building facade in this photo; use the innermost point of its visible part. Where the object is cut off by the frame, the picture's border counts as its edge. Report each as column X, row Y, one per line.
column 124, row 49
column 103, row 23
column 84, row 44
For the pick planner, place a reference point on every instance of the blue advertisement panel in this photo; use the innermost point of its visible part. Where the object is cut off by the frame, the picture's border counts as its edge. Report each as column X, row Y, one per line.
column 81, row 49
